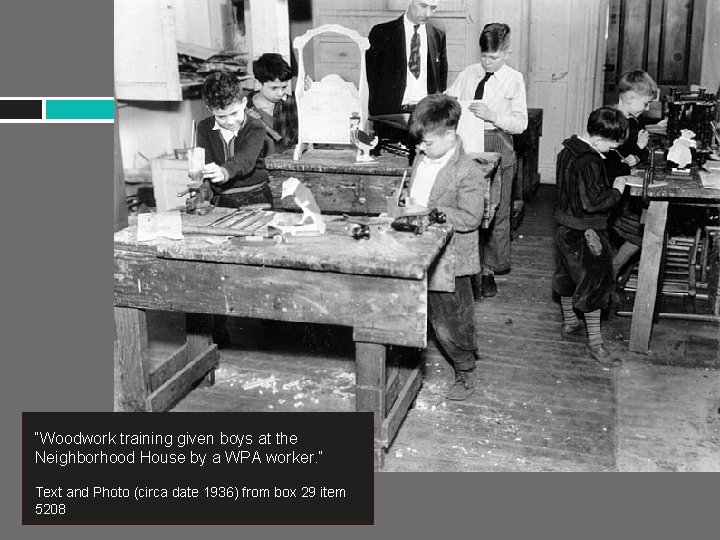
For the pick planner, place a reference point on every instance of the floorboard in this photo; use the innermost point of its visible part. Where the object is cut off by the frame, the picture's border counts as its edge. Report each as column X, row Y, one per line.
column 541, row 404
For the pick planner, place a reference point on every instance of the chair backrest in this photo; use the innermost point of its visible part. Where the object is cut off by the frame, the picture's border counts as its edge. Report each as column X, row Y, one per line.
column 324, row 109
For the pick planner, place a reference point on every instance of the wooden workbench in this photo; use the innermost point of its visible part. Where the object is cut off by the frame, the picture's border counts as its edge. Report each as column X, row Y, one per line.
column 678, row 189
column 341, row 185
column 377, row 286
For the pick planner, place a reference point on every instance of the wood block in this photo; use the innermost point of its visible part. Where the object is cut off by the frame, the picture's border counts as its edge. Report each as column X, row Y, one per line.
column 650, row 261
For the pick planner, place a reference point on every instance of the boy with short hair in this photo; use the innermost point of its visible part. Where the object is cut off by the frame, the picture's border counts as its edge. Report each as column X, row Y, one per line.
column 273, row 104
column 234, row 145
column 445, row 178
column 501, row 103
column 583, row 276
column 636, row 90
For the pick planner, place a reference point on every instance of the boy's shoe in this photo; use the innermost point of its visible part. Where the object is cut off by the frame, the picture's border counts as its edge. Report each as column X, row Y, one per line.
column 464, row 386
column 488, row 286
column 602, row 355
column 570, row 330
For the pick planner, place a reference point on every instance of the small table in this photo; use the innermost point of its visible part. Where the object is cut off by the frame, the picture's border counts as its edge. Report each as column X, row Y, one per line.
column 678, row 189
column 377, row 286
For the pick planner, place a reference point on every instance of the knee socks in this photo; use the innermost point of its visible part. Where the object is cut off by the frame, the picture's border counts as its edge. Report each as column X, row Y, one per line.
column 592, row 321
column 568, row 313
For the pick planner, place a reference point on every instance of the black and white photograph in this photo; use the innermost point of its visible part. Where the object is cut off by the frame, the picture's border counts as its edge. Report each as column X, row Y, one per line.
column 493, row 224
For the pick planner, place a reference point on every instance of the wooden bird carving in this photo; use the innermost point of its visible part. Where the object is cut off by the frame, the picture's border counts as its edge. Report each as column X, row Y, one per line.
column 304, row 199
column 361, row 140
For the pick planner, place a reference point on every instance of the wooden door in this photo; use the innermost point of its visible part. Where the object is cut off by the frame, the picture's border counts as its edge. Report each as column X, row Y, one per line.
column 662, row 37
column 563, row 75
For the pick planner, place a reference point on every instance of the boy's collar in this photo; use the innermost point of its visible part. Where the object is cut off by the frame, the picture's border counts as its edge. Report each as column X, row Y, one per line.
column 445, row 157
column 590, row 144
column 233, row 131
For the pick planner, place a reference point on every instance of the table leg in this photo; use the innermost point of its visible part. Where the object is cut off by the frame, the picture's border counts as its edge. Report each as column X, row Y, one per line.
column 131, row 328
column 199, row 337
column 648, row 273
column 370, row 372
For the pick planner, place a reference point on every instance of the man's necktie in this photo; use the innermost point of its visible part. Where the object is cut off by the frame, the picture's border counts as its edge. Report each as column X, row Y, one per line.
column 480, row 90
column 414, row 61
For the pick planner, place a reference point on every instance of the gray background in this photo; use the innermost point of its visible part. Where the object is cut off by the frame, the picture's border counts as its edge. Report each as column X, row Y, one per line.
column 57, row 330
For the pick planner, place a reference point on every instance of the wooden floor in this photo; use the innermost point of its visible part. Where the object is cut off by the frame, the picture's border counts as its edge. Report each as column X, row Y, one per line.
column 541, row 403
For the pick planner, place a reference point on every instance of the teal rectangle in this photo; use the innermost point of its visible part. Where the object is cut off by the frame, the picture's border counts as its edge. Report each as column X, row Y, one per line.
column 79, row 109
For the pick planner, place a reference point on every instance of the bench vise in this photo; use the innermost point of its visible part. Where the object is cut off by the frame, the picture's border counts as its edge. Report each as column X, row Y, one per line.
column 199, row 201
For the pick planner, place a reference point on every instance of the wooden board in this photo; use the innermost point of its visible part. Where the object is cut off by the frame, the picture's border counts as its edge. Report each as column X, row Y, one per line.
column 386, row 253
column 395, row 308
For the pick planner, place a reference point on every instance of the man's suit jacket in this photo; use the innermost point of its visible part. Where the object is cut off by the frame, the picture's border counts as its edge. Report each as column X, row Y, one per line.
column 386, row 61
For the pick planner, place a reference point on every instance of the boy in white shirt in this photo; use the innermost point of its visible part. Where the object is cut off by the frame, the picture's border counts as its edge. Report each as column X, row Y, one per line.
column 499, row 91
column 445, row 178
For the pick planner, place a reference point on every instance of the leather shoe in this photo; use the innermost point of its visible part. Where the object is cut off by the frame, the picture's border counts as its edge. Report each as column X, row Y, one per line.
column 488, row 285
column 464, row 386
column 570, row 330
column 602, row 355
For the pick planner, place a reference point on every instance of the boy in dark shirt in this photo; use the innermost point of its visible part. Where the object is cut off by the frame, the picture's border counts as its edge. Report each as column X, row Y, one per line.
column 273, row 104
column 584, row 277
column 636, row 90
column 234, row 145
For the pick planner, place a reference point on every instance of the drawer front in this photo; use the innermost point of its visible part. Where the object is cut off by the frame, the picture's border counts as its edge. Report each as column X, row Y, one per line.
column 338, row 193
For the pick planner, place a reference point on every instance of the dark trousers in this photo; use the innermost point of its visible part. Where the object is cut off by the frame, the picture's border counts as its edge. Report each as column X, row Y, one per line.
column 495, row 241
column 588, row 278
column 451, row 316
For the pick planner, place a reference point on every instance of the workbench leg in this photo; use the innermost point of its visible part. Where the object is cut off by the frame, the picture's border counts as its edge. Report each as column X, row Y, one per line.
column 650, row 258
column 370, row 376
column 199, row 337
column 131, row 328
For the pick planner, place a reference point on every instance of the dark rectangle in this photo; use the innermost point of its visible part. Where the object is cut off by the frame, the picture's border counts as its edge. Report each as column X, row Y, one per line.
column 148, row 468
column 21, row 109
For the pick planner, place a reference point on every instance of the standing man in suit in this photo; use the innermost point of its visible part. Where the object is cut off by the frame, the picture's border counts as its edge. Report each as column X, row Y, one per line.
column 406, row 61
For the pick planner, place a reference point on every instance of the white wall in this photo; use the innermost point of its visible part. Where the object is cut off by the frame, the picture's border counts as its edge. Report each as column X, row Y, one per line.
column 710, row 70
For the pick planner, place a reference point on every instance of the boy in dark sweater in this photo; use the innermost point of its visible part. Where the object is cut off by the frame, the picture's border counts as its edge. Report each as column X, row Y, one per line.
column 234, row 145
column 636, row 90
column 273, row 103
column 584, row 277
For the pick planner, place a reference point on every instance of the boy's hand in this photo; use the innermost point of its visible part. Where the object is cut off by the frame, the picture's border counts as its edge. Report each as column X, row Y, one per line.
column 619, row 183
column 593, row 242
column 643, row 138
column 482, row 111
column 631, row 160
column 214, row 173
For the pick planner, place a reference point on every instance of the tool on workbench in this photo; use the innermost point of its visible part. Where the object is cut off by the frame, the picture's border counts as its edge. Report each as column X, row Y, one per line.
column 396, row 201
column 201, row 194
column 648, row 178
column 418, row 220
column 354, row 227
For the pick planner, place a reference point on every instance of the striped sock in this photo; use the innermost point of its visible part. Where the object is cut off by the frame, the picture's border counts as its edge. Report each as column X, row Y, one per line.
column 592, row 320
column 568, row 313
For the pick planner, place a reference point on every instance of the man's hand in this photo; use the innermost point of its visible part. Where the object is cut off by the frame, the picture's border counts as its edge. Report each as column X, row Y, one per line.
column 214, row 173
column 619, row 183
column 482, row 111
column 643, row 138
